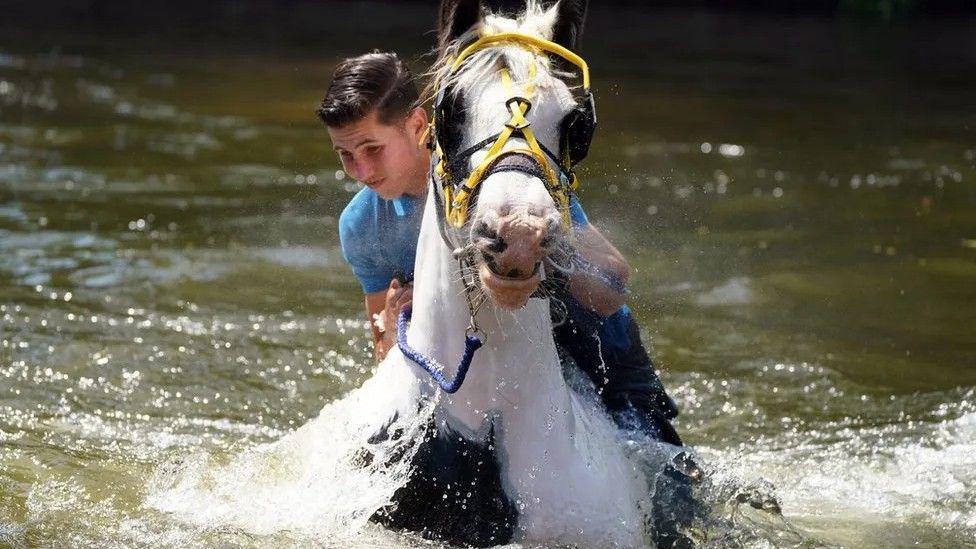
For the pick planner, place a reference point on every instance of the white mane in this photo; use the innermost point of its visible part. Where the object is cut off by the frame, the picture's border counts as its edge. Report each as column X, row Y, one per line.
column 482, row 67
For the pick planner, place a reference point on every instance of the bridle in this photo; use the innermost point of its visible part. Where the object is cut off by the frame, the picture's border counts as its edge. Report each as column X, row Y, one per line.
column 456, row 184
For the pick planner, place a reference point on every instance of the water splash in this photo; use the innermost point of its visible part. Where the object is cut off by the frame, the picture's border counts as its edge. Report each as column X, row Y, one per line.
column 877, row 477
column 325, row 479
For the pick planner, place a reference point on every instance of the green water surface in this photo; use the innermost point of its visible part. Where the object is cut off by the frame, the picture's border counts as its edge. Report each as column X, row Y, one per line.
column 797, row 198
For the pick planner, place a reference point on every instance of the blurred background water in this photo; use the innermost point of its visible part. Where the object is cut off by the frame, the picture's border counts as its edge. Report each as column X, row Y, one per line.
column 795, row 193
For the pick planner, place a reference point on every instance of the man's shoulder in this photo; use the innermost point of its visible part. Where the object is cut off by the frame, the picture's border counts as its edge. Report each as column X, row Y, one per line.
column 360, row 209
column 362, row 218
column 358, row 231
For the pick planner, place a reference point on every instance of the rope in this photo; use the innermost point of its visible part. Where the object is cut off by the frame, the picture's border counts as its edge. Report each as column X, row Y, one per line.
column 471, row 344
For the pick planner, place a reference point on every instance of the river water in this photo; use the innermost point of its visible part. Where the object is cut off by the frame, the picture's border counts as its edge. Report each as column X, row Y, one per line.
column 797, row 198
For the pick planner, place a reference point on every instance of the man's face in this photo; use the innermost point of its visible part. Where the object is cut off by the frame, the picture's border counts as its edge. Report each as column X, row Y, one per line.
column 386, row 158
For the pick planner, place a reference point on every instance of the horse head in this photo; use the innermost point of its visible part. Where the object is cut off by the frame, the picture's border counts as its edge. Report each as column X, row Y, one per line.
column 507, row 135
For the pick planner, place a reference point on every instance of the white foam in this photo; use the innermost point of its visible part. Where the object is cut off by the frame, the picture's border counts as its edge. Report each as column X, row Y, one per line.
column 315, row 480
column 868, row 479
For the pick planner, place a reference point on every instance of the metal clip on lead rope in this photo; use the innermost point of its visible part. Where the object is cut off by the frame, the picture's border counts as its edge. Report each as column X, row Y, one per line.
column 471, row 344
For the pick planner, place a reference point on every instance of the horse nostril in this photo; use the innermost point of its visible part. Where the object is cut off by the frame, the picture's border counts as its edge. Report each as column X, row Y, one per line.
column 490, row 262
column 547, row 241
column 514, row 273
column 496, row 244
column 483, row 230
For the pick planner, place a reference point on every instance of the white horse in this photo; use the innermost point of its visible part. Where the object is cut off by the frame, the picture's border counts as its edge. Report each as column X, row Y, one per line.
column 562, row 474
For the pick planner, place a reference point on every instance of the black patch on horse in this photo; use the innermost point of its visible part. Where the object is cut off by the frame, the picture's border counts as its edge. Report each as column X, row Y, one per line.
column 454, row 493
column 449, row 118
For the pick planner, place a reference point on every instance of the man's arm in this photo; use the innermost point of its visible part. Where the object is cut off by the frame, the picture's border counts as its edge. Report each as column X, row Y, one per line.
column 592, row 289
column 383, row 308
column 375, row 303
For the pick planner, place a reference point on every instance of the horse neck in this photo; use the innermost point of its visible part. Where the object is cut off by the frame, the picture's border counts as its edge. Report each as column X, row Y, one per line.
column 550, row 447
column 518, row 361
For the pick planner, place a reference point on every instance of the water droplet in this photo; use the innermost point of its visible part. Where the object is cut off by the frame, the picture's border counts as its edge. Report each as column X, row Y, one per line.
column 731, row 150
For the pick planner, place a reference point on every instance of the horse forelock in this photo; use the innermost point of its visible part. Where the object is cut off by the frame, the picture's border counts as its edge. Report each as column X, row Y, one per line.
column 482, row 67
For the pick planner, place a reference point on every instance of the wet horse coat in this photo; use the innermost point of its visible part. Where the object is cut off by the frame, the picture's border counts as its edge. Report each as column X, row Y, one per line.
column 515, row 454
column 540, row 462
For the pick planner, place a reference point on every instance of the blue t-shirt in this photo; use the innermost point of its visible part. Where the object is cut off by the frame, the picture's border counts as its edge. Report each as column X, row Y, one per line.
column 379, row 240
column 379, row 237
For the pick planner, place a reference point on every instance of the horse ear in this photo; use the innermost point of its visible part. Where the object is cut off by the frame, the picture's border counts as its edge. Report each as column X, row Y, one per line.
column 456, row 17
column 569, row 23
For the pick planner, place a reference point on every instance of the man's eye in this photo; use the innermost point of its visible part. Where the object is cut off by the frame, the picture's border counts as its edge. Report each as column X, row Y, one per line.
column 344, row 155
column 373, row 150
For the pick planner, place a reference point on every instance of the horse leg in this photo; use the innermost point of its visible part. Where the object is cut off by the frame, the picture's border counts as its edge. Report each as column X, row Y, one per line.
column 454, row 493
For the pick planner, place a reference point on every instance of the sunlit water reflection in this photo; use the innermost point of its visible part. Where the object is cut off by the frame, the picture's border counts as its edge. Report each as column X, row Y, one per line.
column 802, row 232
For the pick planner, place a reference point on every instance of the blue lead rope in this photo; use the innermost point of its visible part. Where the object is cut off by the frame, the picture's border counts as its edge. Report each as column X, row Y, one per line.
column 471, row 344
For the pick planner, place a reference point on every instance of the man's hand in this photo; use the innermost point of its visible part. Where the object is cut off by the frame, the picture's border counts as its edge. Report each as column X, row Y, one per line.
column 398, row 296
column 383, row 308
column 591, row 289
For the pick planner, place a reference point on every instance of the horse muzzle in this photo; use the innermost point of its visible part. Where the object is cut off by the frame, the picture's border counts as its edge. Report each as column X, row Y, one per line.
column 510, row 250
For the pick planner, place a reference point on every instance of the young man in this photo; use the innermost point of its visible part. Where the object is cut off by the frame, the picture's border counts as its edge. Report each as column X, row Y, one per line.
column 371, row 115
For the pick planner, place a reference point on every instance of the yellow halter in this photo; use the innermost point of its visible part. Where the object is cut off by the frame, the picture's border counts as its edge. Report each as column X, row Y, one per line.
column 457, row 199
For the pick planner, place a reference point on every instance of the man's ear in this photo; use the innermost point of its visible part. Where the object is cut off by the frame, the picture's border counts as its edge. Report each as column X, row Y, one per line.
column 416, row 124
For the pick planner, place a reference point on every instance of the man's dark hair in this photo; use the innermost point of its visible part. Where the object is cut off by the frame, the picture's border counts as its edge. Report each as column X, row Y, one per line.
column 377, row 80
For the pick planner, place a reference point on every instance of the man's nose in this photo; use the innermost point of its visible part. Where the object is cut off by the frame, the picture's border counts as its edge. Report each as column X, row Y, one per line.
column 358, row 170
